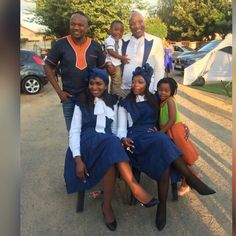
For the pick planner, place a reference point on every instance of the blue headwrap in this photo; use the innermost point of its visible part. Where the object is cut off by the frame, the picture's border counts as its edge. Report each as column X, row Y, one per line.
column 145, row 71
column 102, row 74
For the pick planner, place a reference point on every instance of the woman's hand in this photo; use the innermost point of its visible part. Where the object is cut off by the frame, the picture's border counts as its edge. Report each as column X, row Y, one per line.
column 128, row 143
column 81, row 170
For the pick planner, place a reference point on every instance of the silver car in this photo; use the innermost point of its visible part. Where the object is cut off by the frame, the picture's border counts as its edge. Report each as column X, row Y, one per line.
column 186, row 59
column 179, row 49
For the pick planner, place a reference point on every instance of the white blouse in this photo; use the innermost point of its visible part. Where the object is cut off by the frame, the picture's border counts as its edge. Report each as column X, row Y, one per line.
column 102, row 111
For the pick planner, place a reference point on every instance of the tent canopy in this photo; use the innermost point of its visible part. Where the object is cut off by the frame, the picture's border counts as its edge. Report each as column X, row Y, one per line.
column 215, row 66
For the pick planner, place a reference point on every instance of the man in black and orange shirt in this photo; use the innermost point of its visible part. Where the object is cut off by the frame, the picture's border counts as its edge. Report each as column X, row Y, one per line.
column 76, row 53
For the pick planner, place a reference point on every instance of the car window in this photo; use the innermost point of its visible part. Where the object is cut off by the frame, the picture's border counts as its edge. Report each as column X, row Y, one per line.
column 187, row 48
column 178, row 49
column 208, row 47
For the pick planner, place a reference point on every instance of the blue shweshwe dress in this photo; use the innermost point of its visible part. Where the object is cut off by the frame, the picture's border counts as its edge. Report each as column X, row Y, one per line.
column 154, row 151
column 99, row 147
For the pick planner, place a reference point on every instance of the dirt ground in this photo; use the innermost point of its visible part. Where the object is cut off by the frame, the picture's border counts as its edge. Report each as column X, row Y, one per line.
column 46, row 209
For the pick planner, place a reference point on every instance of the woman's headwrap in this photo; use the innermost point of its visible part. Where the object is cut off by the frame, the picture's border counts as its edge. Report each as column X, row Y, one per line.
column 102, row 74
column 145, row 71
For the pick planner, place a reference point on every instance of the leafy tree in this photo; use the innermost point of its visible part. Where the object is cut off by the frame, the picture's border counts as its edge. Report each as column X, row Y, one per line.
column 101, row 13
column 221, row 18
column 156, row 27
column 164, row 11
column 196, row 19
column 55, row 14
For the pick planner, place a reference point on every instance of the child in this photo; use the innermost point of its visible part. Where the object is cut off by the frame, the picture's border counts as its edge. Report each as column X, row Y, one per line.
column 168, row 60
column 170, row 123
column 113, row 46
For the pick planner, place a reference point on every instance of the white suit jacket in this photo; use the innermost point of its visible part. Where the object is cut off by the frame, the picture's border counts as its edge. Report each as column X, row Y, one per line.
column 153, row 54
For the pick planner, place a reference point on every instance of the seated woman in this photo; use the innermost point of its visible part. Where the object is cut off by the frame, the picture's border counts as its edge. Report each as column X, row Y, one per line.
column 152, row 152
column 95, row 150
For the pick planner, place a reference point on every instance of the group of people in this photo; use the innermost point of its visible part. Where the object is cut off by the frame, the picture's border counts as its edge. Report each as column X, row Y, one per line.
column 133, row 125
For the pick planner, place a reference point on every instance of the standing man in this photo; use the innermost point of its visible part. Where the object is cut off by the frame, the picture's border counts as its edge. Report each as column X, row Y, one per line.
column 141, row 48
column 75, row 53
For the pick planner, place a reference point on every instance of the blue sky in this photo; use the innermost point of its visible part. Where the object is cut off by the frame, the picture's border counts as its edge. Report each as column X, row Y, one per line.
column 35, row 27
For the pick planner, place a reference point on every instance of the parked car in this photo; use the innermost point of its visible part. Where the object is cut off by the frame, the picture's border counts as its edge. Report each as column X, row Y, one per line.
column 186, row 59
column 32, row 73
column 179, row 49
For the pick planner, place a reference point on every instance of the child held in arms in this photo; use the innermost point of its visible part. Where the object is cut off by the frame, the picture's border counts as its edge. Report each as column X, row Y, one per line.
column 113, row 45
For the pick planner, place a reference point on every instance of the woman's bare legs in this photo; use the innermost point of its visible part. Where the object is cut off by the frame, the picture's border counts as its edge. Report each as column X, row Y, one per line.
column 109, row 187
column 139, row 193
column 163, row 186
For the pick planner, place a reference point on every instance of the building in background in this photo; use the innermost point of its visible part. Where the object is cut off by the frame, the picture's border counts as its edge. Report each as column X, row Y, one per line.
column 34, row 41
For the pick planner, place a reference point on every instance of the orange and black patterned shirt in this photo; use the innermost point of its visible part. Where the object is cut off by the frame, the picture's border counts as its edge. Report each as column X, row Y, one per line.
column 74, row 62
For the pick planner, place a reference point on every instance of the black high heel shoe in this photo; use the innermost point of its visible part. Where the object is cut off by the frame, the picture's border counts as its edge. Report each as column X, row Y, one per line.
column 160, row 218
column 112, row 225
column 174, row 190
column 151, row 203
column 200, row 187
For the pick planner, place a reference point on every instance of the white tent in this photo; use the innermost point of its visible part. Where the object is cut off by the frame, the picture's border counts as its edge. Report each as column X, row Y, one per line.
column 215, row 66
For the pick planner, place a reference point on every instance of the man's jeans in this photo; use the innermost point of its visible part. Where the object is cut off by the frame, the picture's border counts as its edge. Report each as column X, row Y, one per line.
column 68, row 110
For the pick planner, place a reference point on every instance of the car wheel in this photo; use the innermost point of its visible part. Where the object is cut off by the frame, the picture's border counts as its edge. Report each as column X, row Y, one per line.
column 31, row 85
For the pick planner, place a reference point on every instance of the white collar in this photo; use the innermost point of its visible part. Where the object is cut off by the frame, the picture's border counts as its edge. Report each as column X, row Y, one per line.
column 96, row 99
column 140, row 98
column 102, row 111
column 136, row 40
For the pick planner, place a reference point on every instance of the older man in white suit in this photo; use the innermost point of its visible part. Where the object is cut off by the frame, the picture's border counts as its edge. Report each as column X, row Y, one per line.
column 141, row 48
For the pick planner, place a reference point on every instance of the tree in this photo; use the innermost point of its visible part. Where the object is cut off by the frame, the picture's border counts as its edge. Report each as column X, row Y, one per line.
column 221, row 18
column 155, row 27
column 164, row 11
column 196, row 19
column 55, row 14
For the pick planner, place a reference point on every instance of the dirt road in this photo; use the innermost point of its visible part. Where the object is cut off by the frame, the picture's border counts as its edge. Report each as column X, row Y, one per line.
column 46, row 209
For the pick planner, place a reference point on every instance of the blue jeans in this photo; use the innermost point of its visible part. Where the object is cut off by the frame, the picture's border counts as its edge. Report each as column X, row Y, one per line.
column 68, row 110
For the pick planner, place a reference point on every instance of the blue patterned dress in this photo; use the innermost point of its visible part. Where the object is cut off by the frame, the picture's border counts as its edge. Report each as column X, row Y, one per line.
column 98, row 151
column 154, row 151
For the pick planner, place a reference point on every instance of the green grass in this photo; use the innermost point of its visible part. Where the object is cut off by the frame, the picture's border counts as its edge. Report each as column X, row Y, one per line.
column 216, row 88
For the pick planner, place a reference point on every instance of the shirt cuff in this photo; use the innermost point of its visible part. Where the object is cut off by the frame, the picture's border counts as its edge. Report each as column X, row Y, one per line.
column 110, row 47
column 121, row 134
column 49, row 62
column 76, row 153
